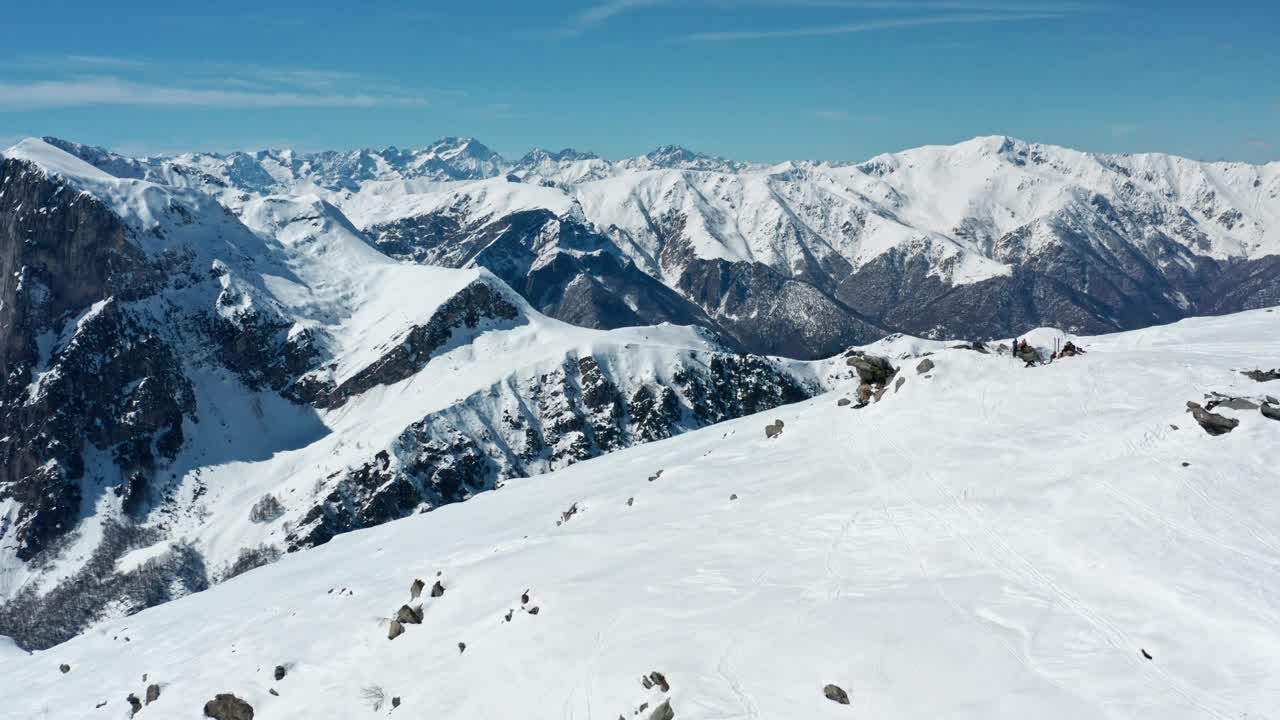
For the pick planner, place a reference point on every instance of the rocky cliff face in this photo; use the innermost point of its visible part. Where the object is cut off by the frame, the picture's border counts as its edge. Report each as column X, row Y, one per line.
column 81, row 373
column 536, row 421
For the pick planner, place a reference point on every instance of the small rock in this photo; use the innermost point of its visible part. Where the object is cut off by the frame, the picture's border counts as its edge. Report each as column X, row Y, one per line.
column 524, row 598
column 897, row 385
column 437, row 590
column 415, row 590
column 1186, row 464
column 273, row 692
column 100, row 705
column 280, row 673
column 645, row 682
column 773, row 430
column 462, row 647
column 879, row 394
column 153, row 693
column 843, row 401
column 663, row 712
column 225, row 706
column 533, row 610
column 1271, row 411
column 1146, row 654
column 135, row 704
column 408, row 616
column 733, row 496
column 655, row 476
column 395, row 702
column 925, row 366
column 395, row 631
column 836, row 694
column 65, row 668
column 568, row 514
column 660, row 680
column 509, row 614
column 631, row 501
column 643, row 706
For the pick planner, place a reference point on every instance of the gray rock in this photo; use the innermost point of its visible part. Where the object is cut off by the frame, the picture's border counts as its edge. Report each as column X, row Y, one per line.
column 864, row 394
column 395, row 702
column 1212, row 423
column 871, row 369
column 836, row 694
column 135, row 705
column 280, row 673
column 1271, row 411
column 395, row 631
column 409, row 615
column 225, row 706
column 773, row 430
column 65, row 668
column 462, row 647
column 660, row 681
column 843, row 401
column 1262, row 375
column 153, row 693
column 897, row 385
column 273, row 692
column 663, row 712
column 415, row 590
column 925, row 366
column 437, row 590
column 533, row 610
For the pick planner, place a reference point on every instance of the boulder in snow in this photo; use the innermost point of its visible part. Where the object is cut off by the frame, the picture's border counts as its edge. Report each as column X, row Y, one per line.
column 925, row 366
column 225, row 706
column 1213, row 423
column 773, row 429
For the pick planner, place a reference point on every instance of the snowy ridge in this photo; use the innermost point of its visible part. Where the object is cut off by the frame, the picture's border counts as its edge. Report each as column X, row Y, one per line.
column 986, row 541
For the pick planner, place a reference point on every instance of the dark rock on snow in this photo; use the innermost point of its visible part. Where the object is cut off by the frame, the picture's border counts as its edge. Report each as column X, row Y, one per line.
column 835, row 693
column 437, row 590
column 663, row 712
column 153, row 693
column 1213, row 423
column 1271, row 411
column 395, row 630
column 225, row 706
column 409, row 615
column 280, row 673
column 925, row 366
column 773, row 429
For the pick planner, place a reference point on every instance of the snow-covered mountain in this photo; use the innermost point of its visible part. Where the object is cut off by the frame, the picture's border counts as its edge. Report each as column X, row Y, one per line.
column 191, row 389
column 984, row 540
column 982, row 239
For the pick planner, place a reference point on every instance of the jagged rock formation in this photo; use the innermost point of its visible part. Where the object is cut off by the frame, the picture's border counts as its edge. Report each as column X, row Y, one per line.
column 529, row 424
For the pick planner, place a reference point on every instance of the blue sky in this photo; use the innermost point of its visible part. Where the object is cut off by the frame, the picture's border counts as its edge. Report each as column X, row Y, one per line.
column 758, row 80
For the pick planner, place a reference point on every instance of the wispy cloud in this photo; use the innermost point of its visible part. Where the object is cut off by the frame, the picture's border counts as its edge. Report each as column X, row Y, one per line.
column 869, row 26
column 92, row 91
column 1258, row 143
column 609, row 9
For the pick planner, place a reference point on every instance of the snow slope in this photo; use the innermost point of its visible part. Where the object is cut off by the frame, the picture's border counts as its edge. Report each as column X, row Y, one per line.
column 990, row 541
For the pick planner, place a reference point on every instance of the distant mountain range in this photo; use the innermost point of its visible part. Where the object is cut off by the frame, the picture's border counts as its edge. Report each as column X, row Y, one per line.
column 980, row 239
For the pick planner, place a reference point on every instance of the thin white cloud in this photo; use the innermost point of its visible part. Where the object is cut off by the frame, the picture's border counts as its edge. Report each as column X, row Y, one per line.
column 870, row 26
column 604, row 11
column 15, row 97
column 1124, row 129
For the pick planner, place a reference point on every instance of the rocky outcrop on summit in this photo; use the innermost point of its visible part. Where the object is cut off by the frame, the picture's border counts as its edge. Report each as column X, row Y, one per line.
column 535, row 422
